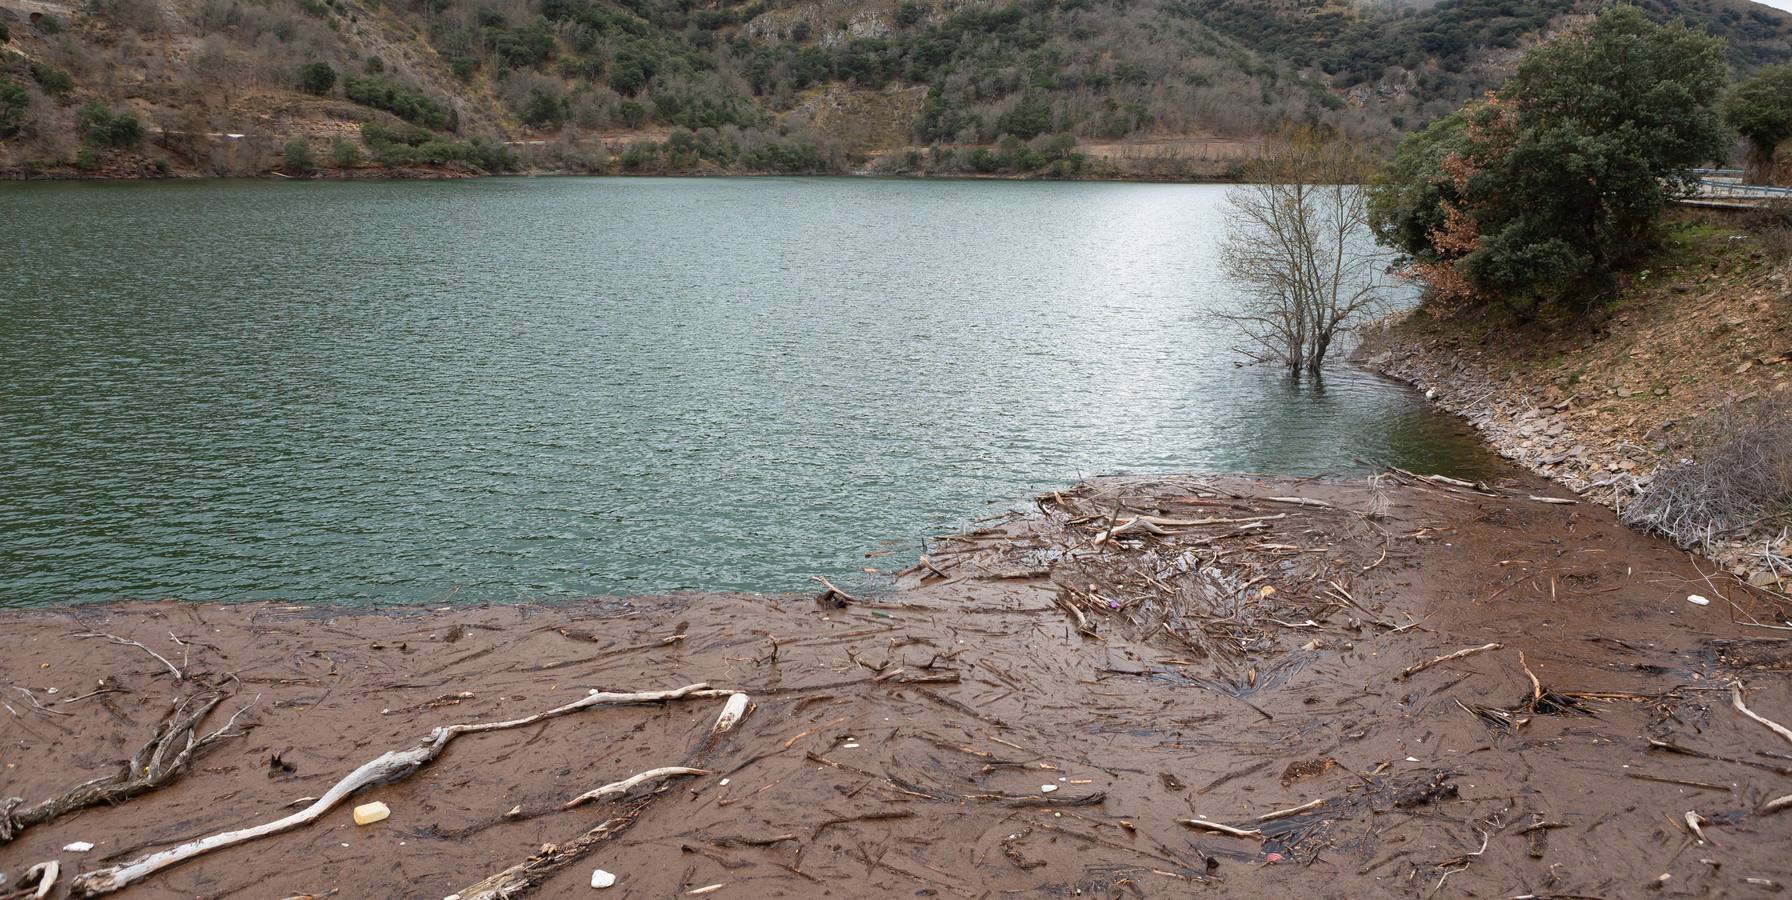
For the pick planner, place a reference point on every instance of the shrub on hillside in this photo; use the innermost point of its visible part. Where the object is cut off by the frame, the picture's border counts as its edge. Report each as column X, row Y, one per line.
column 316, row 78
column 13, row 104
column 102, row 127
column 401, row 100
column 1761, row 109
column 56, row 82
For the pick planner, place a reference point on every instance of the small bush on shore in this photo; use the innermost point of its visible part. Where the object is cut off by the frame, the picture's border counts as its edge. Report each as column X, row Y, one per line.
column 345, row 154
column 296, row 158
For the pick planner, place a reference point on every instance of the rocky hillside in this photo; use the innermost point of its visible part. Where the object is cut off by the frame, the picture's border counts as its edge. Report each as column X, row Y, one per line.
column 1068, row 88
column 1688, row 373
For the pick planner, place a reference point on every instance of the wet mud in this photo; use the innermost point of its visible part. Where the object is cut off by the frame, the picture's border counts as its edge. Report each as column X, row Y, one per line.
column 1142, row 688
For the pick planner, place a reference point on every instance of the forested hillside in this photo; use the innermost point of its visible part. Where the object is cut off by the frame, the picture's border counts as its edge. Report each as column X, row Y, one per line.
column 1168, row 88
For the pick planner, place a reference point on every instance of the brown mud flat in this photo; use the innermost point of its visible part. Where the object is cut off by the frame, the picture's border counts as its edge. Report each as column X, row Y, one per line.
column 1222, row 657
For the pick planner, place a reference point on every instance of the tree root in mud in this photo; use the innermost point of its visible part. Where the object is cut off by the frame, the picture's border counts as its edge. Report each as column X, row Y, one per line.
column 175, row 744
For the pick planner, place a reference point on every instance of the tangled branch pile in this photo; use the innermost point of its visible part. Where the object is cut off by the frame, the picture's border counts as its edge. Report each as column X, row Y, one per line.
column 1736, row 481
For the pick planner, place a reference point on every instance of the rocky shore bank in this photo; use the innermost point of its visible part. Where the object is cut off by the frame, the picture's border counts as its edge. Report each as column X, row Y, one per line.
column 1602, row 406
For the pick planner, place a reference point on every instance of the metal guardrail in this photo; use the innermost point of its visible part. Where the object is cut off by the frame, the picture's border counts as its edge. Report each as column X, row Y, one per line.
column 1731, row 190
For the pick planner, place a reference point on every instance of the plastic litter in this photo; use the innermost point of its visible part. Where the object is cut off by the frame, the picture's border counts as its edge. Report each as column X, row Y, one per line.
column 1697, row 600
column 369, row 813
column 602, row 879
column 78, row 847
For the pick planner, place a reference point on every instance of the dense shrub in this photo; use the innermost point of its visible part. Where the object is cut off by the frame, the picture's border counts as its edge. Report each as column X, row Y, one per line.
column 103, row 128
column 316, row 78
column 14, row 102
column 296, row 157
column 56, row 82
column 1761, row 109
column 344, row 154
column 401, row 100
column 1541, row 193
column 544, row 110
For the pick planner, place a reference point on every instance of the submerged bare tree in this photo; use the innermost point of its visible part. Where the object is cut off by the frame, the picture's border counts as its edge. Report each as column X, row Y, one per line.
column 1300, row 250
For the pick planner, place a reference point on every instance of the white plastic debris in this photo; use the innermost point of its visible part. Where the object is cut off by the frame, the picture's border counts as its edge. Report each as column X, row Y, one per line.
column 602, row 879
column 1047, row 788
column 78, row 847
column 1697, row 600
column 850, row 746
column 369, row 813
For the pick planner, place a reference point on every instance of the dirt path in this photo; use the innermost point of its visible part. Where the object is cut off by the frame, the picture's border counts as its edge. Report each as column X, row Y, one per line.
column 898, row 747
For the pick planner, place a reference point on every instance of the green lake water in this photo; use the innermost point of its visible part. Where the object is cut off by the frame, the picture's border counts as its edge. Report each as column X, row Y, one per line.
column 507, row 389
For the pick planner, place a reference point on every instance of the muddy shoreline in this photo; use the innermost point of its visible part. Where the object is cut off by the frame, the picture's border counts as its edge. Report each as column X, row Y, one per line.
column 1153, row 650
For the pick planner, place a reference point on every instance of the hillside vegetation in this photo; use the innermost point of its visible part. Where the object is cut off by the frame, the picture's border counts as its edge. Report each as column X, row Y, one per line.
column 1089, row 88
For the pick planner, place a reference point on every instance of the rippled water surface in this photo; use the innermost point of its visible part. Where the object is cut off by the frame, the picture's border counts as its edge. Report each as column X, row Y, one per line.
column 517, row 388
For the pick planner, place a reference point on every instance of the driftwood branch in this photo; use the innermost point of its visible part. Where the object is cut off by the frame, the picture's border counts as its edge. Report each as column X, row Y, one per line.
column 175, row 744
column 1736, row 701
column 1410, row 671
column 386, row 768
column 178, row 674
column 619, row 788
column 524, row 876
column 1217, row 828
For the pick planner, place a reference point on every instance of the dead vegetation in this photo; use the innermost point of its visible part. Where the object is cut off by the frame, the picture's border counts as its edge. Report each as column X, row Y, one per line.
column 1736, row 480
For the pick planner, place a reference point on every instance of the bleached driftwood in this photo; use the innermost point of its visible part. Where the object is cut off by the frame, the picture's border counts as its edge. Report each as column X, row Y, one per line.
column 1156, row 525
column 1301, row 501
column 1217, row 828
column 617, row 788
column 524, row 876
column 161, row 760
column 732, row 712
column 1775, row 805
column 40, row 880
column 1736, row 701
column 386, row 768
column 1410, row 671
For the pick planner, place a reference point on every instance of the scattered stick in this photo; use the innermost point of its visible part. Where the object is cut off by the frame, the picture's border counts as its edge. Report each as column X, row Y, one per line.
column 1291, row 811
column 161, row 760
column 622, row 787
column 1217, row 828
column 1410, row 671
column 1301, row 501
column 1775, row 805
column 526, row 875
column 384, row 769
column 1736, row 701
column 1558, row 500
column 803, row 734
column 1693, row 821
column 178, row 674
column 38, row 880
column 829, row 590
column 1536, row 686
